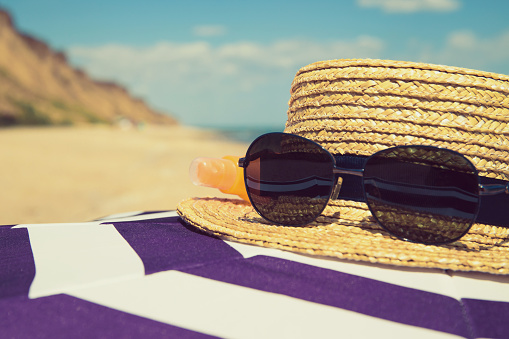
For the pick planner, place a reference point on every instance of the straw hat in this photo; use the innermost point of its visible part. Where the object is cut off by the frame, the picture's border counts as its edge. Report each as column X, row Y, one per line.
column 362, row 106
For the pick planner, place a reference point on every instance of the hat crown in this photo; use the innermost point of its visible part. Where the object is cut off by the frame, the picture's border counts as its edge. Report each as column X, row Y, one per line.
column 363, row 106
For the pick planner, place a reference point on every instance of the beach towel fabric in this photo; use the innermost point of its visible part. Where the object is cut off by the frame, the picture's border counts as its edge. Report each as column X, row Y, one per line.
column 148, row 275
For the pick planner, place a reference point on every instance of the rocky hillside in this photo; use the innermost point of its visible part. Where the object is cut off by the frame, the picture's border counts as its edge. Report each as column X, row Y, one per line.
column 39, row 87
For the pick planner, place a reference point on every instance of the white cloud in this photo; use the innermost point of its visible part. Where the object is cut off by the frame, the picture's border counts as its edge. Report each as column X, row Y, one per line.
column 209, row 30
column 466, row 49
column 411, row 6
column 248, row 82
column 462, row 40
column 199, row 81
column 115, row 60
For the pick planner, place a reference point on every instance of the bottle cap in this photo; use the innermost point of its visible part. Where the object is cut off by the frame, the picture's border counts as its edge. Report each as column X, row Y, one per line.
column 213, row 172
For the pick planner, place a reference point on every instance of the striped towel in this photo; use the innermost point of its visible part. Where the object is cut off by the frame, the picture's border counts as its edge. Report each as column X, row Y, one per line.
column 148, row 275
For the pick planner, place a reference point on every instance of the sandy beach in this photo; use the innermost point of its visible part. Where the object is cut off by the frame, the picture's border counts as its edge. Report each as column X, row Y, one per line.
column 76, row 174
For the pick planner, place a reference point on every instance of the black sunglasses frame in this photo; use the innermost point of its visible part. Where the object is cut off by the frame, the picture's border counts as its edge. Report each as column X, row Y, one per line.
column 348, row 171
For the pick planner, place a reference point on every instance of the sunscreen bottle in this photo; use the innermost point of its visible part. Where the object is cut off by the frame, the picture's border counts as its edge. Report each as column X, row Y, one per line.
column 224, row 174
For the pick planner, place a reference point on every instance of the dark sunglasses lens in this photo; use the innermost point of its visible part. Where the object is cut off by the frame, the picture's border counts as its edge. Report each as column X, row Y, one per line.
column 423, row 194
column 288, row 178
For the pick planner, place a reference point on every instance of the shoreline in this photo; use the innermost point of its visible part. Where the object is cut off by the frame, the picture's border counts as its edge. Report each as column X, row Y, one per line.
column 78, row 174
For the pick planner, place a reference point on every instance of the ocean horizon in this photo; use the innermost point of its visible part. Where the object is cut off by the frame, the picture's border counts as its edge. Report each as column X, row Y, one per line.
column 244, row 134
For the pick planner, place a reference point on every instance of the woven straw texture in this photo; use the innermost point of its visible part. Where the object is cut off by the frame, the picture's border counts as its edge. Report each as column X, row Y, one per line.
column 363, row 106
column 346, row 230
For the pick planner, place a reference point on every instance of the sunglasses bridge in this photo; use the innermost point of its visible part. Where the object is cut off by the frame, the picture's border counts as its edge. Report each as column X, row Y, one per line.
column 338, row 171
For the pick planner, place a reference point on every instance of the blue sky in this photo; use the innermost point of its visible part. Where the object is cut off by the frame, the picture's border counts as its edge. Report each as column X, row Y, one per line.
column 231, row 63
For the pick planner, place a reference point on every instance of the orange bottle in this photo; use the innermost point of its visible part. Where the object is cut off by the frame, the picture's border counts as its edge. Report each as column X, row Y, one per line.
column 224, row 174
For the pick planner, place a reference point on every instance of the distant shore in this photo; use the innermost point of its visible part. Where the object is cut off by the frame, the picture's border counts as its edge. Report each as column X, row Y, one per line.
column 75, row 174
column 245, row 134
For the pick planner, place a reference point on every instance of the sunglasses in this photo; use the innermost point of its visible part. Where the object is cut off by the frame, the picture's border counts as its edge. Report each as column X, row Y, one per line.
column 423, row 194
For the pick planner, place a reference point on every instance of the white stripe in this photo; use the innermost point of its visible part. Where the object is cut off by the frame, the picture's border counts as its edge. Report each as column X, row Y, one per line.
column 232, row 311
column 476, row 285
column 70, row 256
column 121, row 215
column 133, row 216
column 118, row 218
column 459, row 285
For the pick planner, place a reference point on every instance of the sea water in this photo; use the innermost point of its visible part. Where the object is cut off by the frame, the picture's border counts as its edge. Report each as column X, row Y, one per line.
column 246, row 134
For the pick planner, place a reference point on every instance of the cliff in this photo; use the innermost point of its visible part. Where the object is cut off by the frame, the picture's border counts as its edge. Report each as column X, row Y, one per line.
column 38, row 86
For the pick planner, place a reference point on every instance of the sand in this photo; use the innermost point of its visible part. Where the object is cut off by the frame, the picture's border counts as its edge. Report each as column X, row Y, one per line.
column 78, row 174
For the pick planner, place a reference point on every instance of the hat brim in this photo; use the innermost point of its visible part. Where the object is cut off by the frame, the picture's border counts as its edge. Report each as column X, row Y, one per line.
column 346, row 230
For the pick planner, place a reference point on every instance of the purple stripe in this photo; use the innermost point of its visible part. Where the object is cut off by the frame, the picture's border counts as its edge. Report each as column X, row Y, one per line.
column 490, row 319
column 17, row 267
column 167, row 244
column 328, row 287
column 63, row 316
